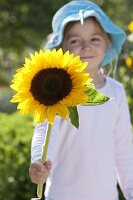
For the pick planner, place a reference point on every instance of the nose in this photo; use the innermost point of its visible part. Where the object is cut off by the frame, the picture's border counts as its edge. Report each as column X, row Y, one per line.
column 86, row 45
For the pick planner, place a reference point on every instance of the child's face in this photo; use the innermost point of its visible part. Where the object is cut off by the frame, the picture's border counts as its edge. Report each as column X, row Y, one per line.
column 87, row 40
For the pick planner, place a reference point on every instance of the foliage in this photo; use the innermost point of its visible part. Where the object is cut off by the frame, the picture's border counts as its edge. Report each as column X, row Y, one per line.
column 121, row 197
column 126, row 77
column 125, row 74
column 25, row 24
column 5, row 97
column 15, row 157
column 4, row 77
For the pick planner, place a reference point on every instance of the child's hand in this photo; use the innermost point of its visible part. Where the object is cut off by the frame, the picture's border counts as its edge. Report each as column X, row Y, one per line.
column 39, row 172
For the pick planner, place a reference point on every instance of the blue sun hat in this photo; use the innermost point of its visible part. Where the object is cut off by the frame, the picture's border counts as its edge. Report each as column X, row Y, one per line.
column 78, row 11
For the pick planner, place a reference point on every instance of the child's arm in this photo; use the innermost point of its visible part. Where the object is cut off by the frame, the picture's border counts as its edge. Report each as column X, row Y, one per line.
column 39, row 137
column 39, row 172
column 37, row 142
column 124, row 148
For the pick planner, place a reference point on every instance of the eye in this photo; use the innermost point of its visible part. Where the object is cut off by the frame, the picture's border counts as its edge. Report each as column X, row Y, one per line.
column 74, row 41
column 96, row 39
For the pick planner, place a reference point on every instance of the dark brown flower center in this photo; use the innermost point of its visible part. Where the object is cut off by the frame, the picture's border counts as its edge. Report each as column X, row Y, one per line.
column 51, row 85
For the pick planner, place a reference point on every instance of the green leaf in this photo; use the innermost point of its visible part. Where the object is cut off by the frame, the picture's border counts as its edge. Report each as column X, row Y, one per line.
column 90, row 85
column 74, row 117
column 95, row 97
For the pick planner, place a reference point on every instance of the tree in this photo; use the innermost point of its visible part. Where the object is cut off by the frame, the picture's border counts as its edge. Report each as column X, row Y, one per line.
column 25, row 24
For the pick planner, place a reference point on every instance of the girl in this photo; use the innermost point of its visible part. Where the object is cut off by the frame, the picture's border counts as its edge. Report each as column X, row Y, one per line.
column 86, row 163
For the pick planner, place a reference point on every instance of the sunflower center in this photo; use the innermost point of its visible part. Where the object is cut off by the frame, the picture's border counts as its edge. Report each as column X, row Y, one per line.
column 51, row 85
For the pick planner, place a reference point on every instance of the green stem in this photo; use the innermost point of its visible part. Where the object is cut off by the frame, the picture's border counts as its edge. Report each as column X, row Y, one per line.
column 44, row 153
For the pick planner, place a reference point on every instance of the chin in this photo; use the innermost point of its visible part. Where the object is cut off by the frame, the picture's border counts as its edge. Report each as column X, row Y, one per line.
column 92, row 69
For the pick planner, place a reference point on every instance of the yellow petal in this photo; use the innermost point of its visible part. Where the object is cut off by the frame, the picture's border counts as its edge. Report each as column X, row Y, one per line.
column 28, row 98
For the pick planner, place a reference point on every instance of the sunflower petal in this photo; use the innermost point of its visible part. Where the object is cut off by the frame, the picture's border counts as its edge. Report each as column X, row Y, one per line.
column 30, row 92
column 50, row 113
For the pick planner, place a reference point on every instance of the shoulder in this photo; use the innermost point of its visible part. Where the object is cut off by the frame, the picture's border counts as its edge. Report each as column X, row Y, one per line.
column 115, row 90
column 114, row 83
column 115, row 86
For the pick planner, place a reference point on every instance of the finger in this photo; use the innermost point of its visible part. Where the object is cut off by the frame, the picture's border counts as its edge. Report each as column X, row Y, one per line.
column 36, row 167
column 39, row 179
column 48, row 164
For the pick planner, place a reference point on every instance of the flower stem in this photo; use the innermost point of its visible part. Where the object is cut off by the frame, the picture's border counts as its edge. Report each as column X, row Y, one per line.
column 44, row 153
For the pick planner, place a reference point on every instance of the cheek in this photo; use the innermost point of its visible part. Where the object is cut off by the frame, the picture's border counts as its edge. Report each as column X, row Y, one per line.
column 102, row 55
column 101, row 47
column 75, row 51
column 102, row 50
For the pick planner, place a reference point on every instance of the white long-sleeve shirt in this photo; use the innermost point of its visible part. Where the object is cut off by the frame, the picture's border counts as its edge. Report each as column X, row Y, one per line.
column 87, row 162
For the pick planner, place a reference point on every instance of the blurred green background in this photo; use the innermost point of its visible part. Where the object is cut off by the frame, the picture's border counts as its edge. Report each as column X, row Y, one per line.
column 24, row 26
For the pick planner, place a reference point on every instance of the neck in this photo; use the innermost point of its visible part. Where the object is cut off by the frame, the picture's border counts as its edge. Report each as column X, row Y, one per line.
column 98, row 80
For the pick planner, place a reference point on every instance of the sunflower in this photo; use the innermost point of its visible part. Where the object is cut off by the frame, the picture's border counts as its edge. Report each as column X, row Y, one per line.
column 49, row 83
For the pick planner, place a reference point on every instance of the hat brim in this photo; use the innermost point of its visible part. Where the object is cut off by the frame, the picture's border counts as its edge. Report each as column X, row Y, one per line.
column 116, row 34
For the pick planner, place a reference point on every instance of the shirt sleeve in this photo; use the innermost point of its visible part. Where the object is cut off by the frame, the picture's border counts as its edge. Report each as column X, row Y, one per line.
column 124, row 147
column 39, row 138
